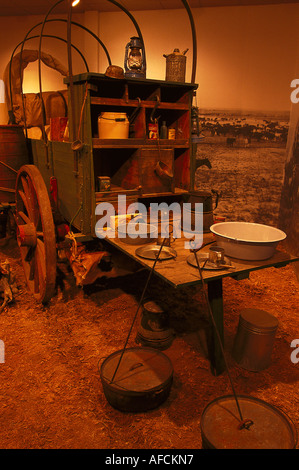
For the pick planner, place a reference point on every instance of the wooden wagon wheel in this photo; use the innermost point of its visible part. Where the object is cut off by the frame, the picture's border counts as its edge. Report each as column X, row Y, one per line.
column 36, row 233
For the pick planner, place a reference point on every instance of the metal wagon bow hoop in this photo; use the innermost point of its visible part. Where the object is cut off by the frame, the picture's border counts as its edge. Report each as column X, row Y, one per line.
column 194, row 40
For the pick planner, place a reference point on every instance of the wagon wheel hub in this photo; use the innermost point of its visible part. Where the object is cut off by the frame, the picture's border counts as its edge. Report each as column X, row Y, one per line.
column 26, row 235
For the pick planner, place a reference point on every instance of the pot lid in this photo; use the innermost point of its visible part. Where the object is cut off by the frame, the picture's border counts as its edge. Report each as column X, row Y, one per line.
column 176, row 52
column 271, row 428
column 259, row 318
column 152, row 307
column 140, row 369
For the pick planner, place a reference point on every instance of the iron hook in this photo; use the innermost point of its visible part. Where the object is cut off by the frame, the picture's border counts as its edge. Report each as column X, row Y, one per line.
column 154, row 108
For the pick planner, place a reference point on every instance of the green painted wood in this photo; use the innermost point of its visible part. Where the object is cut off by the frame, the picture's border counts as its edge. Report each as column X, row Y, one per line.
column 215, row 295
column 69, row 183
column 42, row 157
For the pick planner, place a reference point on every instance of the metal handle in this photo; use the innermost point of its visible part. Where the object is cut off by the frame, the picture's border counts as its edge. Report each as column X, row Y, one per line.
column 217, row 197
column 135, row 366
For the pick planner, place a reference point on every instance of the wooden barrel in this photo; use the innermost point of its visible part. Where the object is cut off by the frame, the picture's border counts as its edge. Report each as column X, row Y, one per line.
column 13, row 154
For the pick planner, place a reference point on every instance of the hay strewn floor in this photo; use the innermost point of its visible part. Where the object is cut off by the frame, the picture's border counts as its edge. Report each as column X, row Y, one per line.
column 51, row 395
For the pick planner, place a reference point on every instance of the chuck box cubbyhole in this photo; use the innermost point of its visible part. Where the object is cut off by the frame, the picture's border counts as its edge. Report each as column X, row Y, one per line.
column 111, row 162
column 175, row 94
column 108, row 89
column 144, row 92
column 175, row 119
column 96, row 110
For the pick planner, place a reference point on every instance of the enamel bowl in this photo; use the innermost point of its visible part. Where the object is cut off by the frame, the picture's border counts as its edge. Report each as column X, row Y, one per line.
column 247, row 241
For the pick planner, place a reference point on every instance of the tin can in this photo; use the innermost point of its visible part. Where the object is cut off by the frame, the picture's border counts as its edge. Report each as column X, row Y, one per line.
column 171, row 134
column 153, row 131
column 104, row 183
column 254, row 340
column 175, row 66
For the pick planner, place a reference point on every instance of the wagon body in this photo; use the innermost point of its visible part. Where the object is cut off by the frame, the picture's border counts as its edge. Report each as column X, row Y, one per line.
column 76, row 171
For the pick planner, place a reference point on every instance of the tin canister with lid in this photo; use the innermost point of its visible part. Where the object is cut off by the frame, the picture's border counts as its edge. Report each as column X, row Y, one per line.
column 254, row 340
column 113, row 126
column 176, row 66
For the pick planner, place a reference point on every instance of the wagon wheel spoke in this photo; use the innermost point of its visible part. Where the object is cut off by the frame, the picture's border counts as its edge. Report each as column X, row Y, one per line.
column 30, row 200
column 34, row 204
column 29, row 255
column 36, row 277
column 32, row 267
column 40, row 248
column 39, row 278
column 25, row 202
column 24, row 217
column 36, row 233
column 25, row 195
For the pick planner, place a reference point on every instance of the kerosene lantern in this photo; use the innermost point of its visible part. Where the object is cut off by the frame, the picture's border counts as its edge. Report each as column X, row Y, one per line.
column 135, row 66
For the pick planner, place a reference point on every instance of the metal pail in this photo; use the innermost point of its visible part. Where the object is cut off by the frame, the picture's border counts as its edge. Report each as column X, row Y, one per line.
column 254, row 340
column 270, row 429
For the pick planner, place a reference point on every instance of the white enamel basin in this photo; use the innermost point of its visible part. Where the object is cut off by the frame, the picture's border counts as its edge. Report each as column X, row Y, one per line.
column 247, row 241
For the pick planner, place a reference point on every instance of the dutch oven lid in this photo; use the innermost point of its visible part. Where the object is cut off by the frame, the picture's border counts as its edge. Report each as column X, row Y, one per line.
column 152, row 307
column 257, row 318
column 271, row 428
column 141, row 369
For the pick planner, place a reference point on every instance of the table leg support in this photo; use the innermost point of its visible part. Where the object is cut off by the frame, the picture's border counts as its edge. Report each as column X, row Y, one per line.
column 217, row 361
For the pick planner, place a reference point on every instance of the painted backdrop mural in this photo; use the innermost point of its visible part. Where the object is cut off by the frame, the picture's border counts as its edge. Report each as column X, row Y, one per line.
column 246, row 153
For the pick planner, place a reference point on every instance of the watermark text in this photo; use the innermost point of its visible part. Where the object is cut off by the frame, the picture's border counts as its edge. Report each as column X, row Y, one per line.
column 295, row 353
column 136, row 219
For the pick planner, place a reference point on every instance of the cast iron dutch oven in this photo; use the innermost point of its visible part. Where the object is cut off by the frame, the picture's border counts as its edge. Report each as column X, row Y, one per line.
column 142, row 381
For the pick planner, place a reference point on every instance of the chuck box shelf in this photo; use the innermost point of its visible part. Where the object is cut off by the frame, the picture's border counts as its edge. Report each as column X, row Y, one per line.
column 138, row 166
column 136, row 143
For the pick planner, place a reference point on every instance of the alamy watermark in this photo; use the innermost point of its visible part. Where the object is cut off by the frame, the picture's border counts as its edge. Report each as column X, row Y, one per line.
column 186, row 221
column 2, row 352
column 295, row 353
column 295, row 94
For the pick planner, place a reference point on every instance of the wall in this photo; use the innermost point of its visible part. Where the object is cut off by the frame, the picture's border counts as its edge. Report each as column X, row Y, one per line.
column 246, row 55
